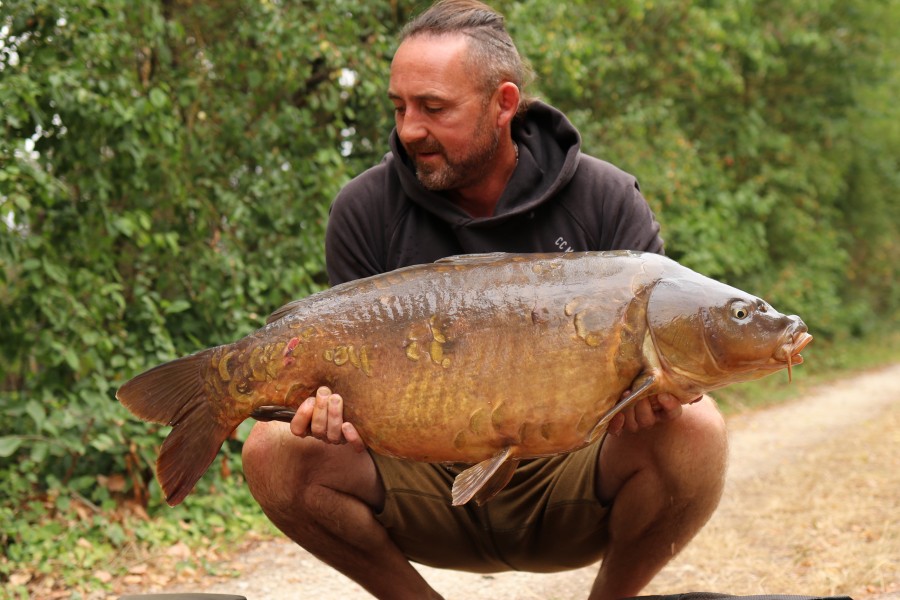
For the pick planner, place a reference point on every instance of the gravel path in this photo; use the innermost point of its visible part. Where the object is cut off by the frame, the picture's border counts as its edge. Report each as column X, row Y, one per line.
column 811, row 506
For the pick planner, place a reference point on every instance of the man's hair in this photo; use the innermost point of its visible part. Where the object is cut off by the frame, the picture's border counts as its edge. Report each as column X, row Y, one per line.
column 491, row 49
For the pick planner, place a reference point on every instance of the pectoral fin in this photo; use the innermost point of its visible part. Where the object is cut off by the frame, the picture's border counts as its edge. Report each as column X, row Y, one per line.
column 644, row 389
column 484, row 480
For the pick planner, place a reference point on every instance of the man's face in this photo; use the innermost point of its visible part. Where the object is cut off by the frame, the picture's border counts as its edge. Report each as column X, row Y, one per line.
column 444, row 121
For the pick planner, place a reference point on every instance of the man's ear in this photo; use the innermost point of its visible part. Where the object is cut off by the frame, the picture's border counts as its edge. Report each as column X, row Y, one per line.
column 508, row 102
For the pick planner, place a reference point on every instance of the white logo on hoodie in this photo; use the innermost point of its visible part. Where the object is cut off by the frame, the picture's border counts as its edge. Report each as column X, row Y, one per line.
column 563, row 245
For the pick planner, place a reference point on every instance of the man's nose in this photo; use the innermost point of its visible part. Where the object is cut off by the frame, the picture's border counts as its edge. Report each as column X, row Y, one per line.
column 411, row 127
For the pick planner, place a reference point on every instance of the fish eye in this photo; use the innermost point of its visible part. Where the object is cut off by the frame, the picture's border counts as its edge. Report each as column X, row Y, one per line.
column 740, row 311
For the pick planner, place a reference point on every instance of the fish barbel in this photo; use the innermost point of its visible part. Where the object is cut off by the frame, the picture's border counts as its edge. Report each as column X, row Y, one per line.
column 480, row 359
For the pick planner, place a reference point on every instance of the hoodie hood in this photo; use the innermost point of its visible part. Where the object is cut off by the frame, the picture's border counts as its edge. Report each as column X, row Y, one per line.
column 549, row 147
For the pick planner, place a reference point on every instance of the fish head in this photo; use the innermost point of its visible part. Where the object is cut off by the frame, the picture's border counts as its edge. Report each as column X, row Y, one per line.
column 708, row 335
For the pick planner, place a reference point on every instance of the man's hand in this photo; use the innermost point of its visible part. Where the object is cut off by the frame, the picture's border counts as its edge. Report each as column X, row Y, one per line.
column 322, row 417
column 646, row 413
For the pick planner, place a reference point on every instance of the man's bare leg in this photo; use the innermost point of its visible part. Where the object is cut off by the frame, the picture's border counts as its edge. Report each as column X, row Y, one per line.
column 665, row 482
column 323, row 496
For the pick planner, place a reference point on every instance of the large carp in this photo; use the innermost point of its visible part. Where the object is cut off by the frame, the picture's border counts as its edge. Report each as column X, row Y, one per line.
column 482, row 359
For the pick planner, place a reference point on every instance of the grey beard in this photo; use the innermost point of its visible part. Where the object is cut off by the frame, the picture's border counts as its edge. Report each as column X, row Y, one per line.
column 454, row 174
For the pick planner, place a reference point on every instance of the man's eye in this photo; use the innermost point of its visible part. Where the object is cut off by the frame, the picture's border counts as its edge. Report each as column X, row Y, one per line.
column 434, row 109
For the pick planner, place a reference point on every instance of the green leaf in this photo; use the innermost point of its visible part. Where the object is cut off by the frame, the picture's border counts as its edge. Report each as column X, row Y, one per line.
column 37, row 413
column 56, row 272
column 9, row 444
column 71, row 358
column 21, row 201
column 103, row 442
column 158, row 98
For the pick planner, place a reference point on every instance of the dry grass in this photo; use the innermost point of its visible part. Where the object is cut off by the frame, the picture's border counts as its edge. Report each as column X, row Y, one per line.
column 826, row 520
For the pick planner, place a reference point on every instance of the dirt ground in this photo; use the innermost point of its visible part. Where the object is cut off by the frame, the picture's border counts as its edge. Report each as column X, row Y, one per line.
column 811, row 506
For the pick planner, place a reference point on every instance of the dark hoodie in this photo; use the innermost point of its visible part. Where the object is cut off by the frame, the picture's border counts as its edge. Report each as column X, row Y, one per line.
column 558, row 199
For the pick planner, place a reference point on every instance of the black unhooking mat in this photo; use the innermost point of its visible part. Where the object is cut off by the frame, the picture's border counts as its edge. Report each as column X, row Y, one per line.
column 686, row 596
column 715, row 596
column 182, row 597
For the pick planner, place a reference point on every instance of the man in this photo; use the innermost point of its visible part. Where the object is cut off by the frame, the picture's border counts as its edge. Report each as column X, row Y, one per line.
column 475, row 167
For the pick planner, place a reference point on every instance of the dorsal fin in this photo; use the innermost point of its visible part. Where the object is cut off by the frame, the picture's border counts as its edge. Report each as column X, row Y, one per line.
column 463, row 259
column 290, row 306
column 459, row 259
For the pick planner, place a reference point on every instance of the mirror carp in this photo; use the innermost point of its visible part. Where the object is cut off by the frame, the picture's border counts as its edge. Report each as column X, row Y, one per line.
column 482, row 359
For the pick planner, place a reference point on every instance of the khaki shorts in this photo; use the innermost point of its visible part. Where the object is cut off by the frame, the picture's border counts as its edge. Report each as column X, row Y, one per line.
column 546, row 519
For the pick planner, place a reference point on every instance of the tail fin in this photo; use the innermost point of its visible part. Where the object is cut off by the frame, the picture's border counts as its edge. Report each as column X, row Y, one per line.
column 174, row 394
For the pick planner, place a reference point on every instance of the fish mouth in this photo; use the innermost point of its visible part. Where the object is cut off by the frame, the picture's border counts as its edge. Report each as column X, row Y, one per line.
column 789, row 352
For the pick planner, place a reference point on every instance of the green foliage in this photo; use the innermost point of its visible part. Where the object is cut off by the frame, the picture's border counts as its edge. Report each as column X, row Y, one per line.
column 166, row 169
column 165, row 173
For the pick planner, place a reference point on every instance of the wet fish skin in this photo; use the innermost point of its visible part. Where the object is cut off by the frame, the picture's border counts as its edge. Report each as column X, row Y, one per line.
column 482, row 359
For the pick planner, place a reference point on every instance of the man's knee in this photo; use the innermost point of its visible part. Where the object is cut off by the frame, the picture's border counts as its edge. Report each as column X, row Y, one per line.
column 685, row 457
column 256, row 445
column 696, row 452
column 702, row 434
column 282, row 470
column 267, row 466
column 261, row 449
column 285, row 472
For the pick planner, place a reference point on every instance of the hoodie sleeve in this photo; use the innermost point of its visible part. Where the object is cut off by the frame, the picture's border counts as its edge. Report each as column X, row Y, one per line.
column 355, row 234
column 634, row 225
column 609, row 205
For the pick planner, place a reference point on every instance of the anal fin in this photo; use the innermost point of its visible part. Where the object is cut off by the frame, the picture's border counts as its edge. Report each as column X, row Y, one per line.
column 484, row 480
